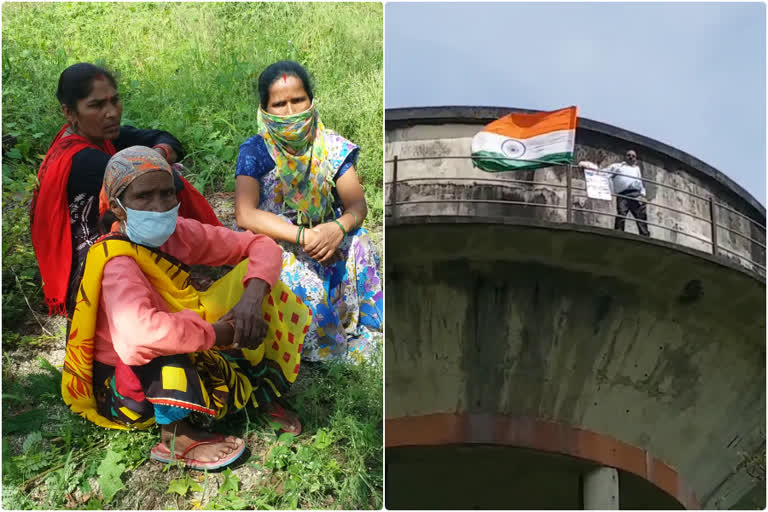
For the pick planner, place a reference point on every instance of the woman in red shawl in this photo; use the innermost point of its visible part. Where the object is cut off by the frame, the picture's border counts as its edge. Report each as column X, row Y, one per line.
column 64, row 213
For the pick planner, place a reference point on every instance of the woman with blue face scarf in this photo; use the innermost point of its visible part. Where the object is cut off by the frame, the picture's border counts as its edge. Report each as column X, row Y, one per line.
column 146, row 347
column 296, row 182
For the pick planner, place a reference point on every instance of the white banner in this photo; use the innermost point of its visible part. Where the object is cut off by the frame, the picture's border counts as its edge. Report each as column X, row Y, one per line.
column 598, row 185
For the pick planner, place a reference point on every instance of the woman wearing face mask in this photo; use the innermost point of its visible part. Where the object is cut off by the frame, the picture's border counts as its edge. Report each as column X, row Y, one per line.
column 296, row 182
column 146, row 347
column 64, row 213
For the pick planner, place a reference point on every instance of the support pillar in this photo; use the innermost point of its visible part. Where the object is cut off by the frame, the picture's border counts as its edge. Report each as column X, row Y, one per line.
column 601, row 489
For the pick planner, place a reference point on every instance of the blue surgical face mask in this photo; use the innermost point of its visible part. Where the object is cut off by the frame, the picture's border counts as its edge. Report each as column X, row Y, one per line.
column 152, row 229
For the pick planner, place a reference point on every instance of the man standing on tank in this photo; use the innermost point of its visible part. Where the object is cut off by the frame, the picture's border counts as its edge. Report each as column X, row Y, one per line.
column 630, row 192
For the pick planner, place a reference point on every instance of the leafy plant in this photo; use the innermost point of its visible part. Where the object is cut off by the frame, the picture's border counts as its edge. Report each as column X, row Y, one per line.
column 183, row 485
column 21, row 279
column 110, row 470
column 227, row 497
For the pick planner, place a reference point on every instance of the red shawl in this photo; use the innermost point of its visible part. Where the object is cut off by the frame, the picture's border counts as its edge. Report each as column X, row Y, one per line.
column 194, row 205
column 52, row 235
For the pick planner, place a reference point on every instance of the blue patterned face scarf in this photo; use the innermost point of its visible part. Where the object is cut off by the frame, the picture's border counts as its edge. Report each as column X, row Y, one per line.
column 294, row 132
column 305, row 174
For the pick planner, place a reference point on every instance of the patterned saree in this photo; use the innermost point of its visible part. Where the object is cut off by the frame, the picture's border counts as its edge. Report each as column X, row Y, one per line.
column 213, row 382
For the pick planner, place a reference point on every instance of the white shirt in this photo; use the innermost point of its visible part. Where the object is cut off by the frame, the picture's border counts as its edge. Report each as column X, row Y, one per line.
column 627, row 178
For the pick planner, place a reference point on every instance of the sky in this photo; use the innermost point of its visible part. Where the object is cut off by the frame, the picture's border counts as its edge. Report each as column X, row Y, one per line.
column 691, row 75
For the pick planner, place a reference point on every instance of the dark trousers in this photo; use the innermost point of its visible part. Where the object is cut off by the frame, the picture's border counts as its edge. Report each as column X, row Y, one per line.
column 628, row 202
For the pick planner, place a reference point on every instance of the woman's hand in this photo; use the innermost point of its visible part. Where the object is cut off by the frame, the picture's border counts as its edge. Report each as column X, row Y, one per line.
column 167, row 152
column 322, row 241
column 250, row 328
column 224, row 332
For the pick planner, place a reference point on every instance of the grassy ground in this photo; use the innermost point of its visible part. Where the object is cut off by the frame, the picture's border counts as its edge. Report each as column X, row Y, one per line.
column 189, row 69
column 53, row 459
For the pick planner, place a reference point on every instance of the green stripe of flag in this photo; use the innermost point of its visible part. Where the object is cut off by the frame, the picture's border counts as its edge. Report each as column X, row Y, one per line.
column 497, row 162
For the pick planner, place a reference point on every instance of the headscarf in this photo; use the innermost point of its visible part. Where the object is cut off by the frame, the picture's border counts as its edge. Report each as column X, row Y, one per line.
column 49, row 218
column 306, row 177
column 124, row 167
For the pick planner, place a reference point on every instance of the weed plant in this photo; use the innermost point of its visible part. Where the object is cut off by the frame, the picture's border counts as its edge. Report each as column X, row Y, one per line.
column 190, row 69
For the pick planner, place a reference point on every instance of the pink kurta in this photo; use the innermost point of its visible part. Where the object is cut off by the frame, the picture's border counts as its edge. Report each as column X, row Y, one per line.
column 135, row 325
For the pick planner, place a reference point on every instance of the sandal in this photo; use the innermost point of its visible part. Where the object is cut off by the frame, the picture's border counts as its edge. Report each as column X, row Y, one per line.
column 162, row 454
column 276, row 414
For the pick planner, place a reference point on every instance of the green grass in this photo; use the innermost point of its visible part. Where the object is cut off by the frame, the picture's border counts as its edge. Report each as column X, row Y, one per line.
column 190, row 69
column 54, row 459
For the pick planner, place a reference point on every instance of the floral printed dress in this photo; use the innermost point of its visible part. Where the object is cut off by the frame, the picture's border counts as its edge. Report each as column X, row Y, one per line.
column 345, row 297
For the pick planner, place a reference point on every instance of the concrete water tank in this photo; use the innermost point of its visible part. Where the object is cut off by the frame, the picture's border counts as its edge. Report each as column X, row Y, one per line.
column 537, row 358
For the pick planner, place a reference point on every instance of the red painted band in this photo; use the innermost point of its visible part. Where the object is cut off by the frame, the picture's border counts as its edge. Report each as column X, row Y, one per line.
column 547, row 436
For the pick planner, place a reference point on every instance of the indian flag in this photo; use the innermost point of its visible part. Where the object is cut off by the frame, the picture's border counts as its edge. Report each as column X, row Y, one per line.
column 526, row 141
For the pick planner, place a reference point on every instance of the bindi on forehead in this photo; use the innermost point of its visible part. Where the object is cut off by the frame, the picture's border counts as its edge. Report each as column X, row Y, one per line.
column 101, row 89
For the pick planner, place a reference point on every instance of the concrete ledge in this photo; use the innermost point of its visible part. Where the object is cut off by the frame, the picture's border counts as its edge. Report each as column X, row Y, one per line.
column 448, row 429
column 393, row 222
column 405, row 117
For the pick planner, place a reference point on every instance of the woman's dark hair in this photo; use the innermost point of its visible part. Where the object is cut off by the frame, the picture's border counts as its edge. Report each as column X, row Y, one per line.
column 76, row 82
column 275, row 71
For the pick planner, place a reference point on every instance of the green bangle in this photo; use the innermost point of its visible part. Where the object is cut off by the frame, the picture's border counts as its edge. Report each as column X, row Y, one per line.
column 298, row 234
column 355, row 216
column 340, row 226
column 303, row 237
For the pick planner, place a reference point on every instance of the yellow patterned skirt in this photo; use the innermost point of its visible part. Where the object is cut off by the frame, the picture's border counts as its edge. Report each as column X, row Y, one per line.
column 213, row 382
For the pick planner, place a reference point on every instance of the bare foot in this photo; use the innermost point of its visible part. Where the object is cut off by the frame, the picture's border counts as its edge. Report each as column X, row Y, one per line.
column 186, row 435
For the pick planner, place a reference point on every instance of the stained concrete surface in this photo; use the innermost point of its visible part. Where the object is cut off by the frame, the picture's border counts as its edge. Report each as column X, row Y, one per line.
column 456, row 121
column 657, row 347
column 507, row 309
column 681, row 188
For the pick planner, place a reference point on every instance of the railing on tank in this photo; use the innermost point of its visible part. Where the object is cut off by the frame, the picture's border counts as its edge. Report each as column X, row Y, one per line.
column 711, row 219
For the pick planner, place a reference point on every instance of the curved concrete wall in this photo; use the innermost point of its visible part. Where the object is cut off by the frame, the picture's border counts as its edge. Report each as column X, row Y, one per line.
column 506, row 310
column 532, row 322
column 694, row 184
